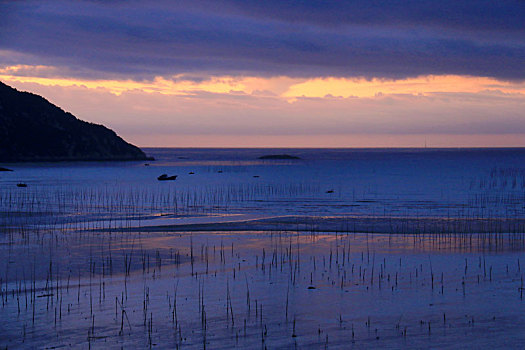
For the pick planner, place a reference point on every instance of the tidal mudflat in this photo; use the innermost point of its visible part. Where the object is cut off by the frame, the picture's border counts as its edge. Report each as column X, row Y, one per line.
column 262, row 289
column 381, row 250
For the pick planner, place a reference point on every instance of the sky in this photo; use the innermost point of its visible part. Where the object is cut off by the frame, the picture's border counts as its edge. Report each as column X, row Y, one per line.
column 277, row 73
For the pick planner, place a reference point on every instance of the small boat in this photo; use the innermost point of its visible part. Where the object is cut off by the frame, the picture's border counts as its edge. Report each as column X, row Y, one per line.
column 191, row 173
column 21, row 185
column 165, row 177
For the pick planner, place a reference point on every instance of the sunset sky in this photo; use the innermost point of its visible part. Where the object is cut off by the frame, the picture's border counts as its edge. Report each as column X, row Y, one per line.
column 241, row 73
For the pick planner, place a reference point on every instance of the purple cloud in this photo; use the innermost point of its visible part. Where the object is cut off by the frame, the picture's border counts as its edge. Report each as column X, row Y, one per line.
column 295, row 38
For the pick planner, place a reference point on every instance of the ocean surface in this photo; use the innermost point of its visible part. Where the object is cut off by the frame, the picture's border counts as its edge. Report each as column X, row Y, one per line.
column 452, row 183
column 242, row 253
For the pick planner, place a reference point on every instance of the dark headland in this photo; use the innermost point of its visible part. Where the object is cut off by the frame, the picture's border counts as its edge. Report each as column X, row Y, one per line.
column 33, row 129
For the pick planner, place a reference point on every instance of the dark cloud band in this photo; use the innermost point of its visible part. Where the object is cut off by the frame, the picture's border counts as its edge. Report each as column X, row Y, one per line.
column 295, row 38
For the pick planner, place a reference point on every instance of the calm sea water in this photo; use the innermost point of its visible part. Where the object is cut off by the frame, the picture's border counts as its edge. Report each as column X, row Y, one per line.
column 368, row 182
column 62, row 287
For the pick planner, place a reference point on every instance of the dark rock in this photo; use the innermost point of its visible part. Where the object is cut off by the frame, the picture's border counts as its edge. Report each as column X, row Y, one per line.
column 5, row 169
column 279, row 156
column 33, row 129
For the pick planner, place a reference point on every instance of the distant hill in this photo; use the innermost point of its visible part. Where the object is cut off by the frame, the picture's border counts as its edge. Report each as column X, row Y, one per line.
column 33, row 129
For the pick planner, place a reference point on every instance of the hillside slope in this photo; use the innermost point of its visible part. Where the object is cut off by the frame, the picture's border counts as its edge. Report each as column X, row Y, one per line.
column 33, row 129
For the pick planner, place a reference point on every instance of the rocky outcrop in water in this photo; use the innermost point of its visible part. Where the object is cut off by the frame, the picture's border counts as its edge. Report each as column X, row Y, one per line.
column 279, row 156
column 33, row 129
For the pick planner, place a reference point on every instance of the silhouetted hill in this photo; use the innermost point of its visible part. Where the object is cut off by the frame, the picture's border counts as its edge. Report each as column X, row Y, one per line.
column 33, row 129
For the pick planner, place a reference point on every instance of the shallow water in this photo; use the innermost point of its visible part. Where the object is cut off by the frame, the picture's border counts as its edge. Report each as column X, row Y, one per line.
column 248, row 289
column 451, row 183
column 87, row 261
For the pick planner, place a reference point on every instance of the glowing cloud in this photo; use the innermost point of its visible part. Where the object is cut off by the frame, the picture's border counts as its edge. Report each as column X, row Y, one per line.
column 284, row 87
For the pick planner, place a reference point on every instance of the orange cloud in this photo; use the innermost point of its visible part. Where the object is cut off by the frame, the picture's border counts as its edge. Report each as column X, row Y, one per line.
column 176, row 85
column 284, row 87
column 348, row 87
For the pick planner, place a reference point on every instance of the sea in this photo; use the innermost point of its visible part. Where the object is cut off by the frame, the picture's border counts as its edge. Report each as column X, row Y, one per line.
column 411, row 182
column 243, row 252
